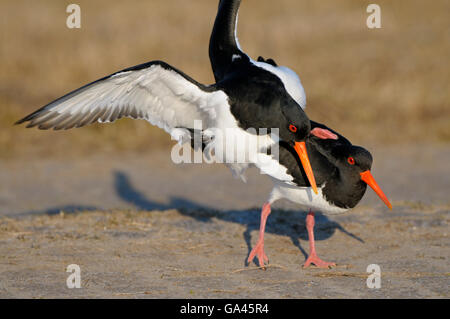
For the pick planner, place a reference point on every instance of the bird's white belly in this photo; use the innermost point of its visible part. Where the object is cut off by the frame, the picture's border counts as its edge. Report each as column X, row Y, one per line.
column 239, row 148
column 305, row 197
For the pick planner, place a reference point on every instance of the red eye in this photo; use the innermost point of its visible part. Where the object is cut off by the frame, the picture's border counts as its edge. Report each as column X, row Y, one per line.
column 351, row 160
column 292, row 128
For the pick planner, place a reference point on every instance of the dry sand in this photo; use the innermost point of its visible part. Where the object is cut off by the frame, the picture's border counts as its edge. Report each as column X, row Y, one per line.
column 142, row 227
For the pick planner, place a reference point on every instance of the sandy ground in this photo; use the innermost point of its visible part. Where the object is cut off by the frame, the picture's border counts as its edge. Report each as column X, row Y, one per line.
column 140, row 226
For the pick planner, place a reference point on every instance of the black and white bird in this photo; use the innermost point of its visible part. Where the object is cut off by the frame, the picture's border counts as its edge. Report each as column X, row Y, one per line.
column 342, row 170
column 250, row 95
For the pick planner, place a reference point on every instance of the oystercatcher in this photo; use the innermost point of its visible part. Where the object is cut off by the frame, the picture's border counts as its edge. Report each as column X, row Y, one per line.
column 342, row 170
column 250, row 96
column 342, row 173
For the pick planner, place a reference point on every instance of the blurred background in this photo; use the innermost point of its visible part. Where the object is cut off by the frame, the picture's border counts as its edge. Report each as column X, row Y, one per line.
column 108, row 197
column 388, row 85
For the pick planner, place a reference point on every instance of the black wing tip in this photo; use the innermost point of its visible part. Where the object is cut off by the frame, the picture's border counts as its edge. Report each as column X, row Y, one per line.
column 27, row 118
column 21, row 121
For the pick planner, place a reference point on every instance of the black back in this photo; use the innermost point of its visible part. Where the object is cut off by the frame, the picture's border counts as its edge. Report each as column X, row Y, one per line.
column 258, row 99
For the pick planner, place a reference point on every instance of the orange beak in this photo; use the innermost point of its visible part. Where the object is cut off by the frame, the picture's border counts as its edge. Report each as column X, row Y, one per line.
column 300, row 148
column 369, row 180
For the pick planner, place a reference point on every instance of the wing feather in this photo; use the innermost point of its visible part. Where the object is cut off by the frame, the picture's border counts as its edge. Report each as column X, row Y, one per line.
column 153, row 91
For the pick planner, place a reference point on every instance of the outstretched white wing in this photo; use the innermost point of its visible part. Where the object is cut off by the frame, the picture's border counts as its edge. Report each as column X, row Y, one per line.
column 153, row 91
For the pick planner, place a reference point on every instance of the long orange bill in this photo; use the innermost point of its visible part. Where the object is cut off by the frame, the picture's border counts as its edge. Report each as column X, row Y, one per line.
column 300, row 148
column 369, row 180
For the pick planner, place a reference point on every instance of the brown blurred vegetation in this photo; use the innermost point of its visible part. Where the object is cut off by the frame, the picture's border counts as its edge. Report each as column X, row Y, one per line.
column 388, row 85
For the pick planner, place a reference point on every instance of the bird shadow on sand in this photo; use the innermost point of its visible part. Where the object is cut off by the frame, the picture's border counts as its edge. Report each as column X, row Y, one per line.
column 281, row 222
column 67, row 209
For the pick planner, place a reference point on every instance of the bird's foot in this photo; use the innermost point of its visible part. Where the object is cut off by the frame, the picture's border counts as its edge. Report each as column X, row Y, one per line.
column 314, row 259
column 258, row 251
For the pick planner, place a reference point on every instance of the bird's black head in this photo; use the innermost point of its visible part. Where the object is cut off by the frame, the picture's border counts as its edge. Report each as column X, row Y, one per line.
column 354, row 164
column 296, row 124
column 293, row 130
column 353, row 159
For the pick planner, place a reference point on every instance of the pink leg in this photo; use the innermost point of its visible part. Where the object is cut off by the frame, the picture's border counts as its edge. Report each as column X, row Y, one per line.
column 313, row 259
column 258, row 250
